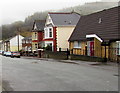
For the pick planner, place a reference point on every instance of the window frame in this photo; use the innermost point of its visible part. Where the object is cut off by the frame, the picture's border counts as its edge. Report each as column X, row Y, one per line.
column 48, row 32
column 77, row 44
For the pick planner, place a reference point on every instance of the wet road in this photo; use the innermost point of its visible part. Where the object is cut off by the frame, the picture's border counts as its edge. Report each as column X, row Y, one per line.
column 39, row 75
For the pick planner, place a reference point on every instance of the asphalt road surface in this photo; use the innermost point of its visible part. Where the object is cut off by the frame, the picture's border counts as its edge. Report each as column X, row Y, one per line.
column 19, row 74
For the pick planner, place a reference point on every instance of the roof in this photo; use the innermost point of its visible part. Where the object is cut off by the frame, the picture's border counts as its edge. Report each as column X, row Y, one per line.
column 104, row 24
column 7, row 40
column 64, row 19
column 39, row 24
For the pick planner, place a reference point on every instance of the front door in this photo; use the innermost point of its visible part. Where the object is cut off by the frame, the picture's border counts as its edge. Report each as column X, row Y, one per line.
column 90, row 48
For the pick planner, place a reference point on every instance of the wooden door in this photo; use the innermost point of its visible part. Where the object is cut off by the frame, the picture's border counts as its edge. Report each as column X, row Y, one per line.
column 91, row 48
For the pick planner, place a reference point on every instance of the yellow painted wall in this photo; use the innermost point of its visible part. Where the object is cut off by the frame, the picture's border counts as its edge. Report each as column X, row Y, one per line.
column 77, row 51
column 112, row 51
column 97, row 48
column 63, row 34
column 99, row 51
column 33, row 46
column 15, row 48
column 33, row 36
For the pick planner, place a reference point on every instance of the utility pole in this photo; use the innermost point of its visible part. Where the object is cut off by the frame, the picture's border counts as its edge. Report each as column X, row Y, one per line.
column 18, row 38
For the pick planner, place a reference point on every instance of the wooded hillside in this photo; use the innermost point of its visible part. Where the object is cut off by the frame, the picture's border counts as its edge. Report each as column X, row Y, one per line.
column 10, row 30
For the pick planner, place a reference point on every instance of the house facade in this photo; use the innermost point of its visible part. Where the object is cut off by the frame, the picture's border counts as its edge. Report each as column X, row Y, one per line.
column 37, row 34
column 27, row 44
column 97, row 35
column 13, row 43
column 58, row 28
column 6, row 45
column 1, row 45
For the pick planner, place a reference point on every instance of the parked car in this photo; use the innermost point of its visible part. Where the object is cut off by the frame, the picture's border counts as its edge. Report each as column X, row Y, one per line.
column 1, row 51
column 15, row 54
column 8, row 54
column 4, row 53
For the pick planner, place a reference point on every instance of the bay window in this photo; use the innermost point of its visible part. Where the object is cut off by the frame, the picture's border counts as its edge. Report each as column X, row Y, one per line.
column 48, row 33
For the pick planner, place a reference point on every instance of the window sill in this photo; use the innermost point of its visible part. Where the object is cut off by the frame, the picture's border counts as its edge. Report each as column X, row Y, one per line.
column 77, row 47
column 48, row 38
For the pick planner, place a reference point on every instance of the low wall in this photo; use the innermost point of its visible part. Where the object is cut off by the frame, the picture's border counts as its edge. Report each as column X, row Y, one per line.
column 87, row 58
column 55, row 55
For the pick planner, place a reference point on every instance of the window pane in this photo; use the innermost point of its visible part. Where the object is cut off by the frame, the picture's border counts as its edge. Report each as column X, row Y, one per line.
column 79, row 44
column 50, row 32
column 75, row 44
column 35, row 35
column 46, row 33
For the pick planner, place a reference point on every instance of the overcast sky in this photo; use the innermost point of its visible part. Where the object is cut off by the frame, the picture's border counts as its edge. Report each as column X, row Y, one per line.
column 14, row 10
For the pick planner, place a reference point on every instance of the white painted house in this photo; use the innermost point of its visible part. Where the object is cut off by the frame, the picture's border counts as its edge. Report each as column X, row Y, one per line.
column 13, row 43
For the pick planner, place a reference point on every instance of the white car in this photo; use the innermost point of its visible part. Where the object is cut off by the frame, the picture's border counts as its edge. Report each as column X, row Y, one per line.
column 1, row 51
column 4, row 53
column 8, row 54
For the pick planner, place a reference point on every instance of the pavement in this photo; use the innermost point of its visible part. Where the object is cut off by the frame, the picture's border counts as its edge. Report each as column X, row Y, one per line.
column 108, row 66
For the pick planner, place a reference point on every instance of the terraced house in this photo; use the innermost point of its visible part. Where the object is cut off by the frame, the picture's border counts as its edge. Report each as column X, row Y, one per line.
column 27, row 44
column 58, row 28
column 13, row 43
column 97, row 35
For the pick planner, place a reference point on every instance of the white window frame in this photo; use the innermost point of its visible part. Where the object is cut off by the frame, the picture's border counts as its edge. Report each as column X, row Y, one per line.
column 47, row 32
column 77, row 44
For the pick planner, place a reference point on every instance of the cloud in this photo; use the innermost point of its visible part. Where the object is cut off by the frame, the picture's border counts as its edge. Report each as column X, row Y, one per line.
column 110, row 0
column 13, row 10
